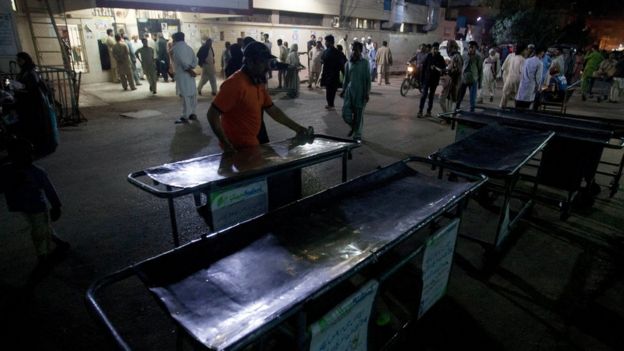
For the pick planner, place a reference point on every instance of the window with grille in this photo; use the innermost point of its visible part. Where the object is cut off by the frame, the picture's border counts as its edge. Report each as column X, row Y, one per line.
column 363, row 23
column 73, row 44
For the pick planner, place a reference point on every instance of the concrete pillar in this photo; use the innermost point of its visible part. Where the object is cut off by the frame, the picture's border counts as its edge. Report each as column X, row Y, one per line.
column 9, row 43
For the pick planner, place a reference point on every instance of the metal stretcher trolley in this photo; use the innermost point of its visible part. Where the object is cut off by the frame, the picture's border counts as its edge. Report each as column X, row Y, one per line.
column 235, row 288
column 571, row 159
column 606, row 167
column 244, row 184
column 499, row 153
column 600, row 88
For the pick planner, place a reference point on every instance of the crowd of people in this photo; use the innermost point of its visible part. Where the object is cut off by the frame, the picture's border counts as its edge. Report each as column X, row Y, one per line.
column 530, row 75
column 330, row 66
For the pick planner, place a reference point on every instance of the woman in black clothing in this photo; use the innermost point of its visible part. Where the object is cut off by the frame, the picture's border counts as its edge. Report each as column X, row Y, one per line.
column 236, row 61
column 35, row 121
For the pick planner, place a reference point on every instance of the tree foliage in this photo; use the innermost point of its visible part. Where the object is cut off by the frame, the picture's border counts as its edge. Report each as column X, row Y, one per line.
column 527, row 26
column 539, row 27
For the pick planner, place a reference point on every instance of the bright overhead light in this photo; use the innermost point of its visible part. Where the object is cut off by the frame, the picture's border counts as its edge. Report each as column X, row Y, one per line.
column 478, row 18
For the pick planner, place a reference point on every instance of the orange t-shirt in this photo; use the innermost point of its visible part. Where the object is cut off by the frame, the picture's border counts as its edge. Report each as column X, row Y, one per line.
column 241, row 103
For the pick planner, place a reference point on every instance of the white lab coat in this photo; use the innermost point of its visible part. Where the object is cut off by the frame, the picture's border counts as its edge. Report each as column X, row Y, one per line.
column 531, row 79
column 184, row 58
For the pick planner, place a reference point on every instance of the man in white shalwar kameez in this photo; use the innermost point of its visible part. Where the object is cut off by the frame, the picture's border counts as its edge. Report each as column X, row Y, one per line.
column 531, row 80
column 491, row 69
column 185, row 61
column 512, row 72
column 346, row 45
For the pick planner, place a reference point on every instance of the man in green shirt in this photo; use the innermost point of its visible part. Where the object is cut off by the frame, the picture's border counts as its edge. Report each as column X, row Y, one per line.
column 145, row 55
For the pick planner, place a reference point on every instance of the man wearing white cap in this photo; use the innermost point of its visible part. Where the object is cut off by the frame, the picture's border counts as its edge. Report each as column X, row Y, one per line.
column 491, row 68
column 185, row 63
column 364, row 49
column 369, row 44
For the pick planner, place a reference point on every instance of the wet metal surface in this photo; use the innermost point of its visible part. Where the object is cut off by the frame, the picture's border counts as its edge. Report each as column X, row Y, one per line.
column 294, row 253
column 563, row 127
column 494, row 149
column 207, row 169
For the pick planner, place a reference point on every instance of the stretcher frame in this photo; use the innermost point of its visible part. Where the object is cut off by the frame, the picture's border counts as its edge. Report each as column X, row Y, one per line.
column 509, row 178
column 586, row 136
column 170, row 193
column 610, row 169
column 450, row 210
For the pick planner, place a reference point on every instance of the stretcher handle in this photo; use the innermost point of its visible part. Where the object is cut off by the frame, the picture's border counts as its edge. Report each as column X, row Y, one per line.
column 93, row 305
column 334, row 138
column 448, row 114
column 132, row 178
column 435, row 162
column 617, row 146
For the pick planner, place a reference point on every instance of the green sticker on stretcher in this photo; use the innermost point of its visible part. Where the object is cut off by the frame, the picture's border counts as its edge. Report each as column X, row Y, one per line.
column 238, row 203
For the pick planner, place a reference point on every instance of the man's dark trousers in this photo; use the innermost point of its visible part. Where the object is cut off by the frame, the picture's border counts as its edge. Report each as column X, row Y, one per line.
column 330, row 93
column 428, row 90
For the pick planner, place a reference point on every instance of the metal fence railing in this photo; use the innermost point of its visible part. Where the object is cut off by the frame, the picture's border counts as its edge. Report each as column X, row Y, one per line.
column 65, row 86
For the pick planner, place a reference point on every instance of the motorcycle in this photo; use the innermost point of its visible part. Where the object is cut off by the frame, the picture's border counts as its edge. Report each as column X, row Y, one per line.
column 411, row 80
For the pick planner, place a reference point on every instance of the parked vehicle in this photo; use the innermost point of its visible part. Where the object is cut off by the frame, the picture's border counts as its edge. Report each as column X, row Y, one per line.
column 411, row 80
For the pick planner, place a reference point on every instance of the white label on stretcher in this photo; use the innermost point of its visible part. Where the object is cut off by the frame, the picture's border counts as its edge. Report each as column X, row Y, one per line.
column 345, row 327
column 238, row 203
column 436, row 265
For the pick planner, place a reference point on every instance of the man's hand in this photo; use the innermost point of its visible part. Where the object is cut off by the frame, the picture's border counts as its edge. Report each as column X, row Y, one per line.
column 55, row 214
column 280, row 117
column 366, row 97
column 304, row 136
column 191, row 72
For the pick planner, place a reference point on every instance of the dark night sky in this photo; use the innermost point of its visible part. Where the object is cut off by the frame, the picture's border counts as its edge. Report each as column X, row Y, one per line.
column 596, row 7
column 609, row 8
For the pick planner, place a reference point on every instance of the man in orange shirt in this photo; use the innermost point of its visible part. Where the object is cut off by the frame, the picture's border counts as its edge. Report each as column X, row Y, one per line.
column 235, row 115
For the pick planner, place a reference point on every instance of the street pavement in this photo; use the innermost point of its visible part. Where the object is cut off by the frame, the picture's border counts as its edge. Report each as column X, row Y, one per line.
column 559, row 287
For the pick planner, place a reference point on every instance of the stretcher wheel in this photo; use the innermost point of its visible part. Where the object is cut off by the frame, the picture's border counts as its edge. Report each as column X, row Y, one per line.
column 585, row 198
column 565, row 209
column 594, row 189
column 486, row 198
column 614, row 190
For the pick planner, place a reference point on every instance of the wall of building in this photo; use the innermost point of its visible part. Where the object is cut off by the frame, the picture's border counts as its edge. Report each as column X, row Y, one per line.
column 369, row 9
column 196, row 27
column 9, row 43
column 93, row 29
column 403, row 45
